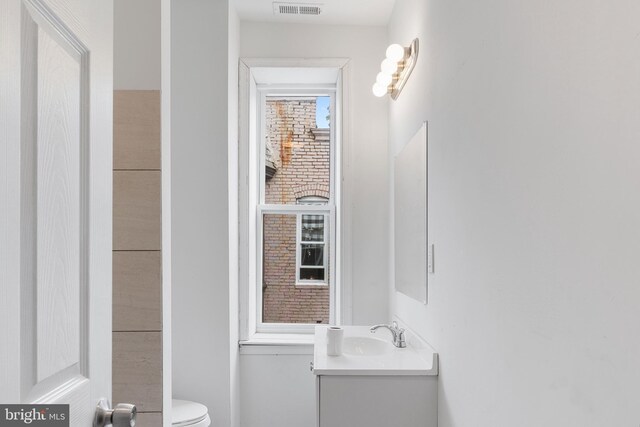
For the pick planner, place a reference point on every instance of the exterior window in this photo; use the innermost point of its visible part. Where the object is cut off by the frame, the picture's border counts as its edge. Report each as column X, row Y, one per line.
column 291, row 240
column 296, row 210
column 311, row 265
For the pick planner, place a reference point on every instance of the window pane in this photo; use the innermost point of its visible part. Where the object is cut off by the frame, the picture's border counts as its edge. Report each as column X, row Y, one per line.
column 297, row 149
column 312, row 255
column 312, row 228
column 312, row 273
column 284, row 300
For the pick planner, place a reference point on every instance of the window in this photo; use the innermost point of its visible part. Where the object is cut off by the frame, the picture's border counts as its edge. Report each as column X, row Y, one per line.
column 312, row 264
column 312, row 238
column 296, row 208
column 290, row 188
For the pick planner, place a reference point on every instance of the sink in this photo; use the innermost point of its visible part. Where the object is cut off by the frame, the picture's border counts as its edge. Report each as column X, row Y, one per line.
column 365, row 346
column 353, row 389
column 364, row 353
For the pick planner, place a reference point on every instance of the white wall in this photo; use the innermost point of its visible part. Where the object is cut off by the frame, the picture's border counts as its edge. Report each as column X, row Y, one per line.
column 234, row 356
column 368, row 168
column 284, row 384
column 204, row 44
column 136, row 55
column 533, row 112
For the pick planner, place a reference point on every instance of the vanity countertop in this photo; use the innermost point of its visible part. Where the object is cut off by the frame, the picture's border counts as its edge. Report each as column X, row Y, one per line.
column 365, row 353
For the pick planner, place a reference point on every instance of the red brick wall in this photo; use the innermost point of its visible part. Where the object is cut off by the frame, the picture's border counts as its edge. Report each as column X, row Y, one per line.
column 302, row 161
column 284, row 302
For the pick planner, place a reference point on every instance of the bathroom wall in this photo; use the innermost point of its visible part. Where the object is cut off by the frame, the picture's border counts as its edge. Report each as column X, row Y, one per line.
column 234, row 321
column 367, row 167
column 534, row 208
column 204, row 37
column 276, row 388
column 137, row 238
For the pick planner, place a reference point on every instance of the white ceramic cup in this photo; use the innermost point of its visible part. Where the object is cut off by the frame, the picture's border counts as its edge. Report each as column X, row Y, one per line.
column 335, row 334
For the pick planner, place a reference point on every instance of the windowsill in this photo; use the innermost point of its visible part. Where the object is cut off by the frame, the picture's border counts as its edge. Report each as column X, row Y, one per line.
column 311, row 285
column 262, row 343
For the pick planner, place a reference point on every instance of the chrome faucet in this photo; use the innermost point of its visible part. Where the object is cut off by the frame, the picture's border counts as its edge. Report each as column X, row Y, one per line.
column 398, row 333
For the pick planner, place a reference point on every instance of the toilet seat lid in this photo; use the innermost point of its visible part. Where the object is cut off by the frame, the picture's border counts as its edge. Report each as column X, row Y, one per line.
column 184, row 412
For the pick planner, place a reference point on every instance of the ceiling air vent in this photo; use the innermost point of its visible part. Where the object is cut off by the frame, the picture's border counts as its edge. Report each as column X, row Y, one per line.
column 296, row 9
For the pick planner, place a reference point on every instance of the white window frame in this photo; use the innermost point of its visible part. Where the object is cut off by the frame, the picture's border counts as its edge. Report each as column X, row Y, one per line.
column 251, row 170
column 285, row 92
column 326, row 249
column 293, row 328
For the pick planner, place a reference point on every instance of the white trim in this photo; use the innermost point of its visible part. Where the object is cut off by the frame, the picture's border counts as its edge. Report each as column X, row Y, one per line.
column 11, row 358
column 298, row 89
column 335, row 281
column 289, row 92
column 343, row 190
column 294, row 209
column 279, row 339
column 285, row 328
column 165, row 123
column 262, row 147
column 295, row 62
column 246, row 87
column 276, row 349
column 248, row 227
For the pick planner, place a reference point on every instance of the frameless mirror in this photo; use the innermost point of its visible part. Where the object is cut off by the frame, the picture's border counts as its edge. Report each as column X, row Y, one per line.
column 410, row 212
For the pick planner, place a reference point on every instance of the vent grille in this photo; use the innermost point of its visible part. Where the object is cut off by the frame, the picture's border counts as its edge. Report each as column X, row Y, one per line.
column 296, row 9
column 309, row 10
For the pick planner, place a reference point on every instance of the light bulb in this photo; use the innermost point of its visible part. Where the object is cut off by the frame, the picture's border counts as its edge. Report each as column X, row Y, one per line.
column 383, row 79
column 379, row 90
column 389, row 67
column 395, row 52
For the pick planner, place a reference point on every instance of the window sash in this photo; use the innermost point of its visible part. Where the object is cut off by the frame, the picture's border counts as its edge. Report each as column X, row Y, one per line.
column 329, row 213
column 328, row 209
column 273, row 92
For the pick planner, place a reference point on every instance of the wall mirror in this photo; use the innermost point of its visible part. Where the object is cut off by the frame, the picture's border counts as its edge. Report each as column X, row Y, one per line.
column 410, row 217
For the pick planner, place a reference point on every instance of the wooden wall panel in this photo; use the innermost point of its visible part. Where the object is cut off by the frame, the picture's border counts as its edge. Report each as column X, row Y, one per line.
column 136, row 129
column 137, row 265
column 136, row 210
column 149, row 419
column 137, row 291
column 137, row 369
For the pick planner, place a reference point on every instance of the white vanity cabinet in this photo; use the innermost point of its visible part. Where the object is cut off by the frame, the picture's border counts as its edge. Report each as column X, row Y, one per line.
column 376, row 401
column 374, row 385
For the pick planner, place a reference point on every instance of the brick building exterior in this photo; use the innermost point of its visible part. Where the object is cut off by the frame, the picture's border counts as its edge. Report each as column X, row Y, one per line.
column 298, row 166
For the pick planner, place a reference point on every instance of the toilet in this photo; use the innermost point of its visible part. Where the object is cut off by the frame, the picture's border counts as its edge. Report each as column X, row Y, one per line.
column 189, row 414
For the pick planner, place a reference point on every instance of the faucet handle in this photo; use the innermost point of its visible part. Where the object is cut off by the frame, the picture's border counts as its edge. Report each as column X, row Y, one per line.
column 399, row 336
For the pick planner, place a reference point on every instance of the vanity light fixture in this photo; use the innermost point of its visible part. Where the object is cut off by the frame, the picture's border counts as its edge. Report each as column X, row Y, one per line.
column 395, row 69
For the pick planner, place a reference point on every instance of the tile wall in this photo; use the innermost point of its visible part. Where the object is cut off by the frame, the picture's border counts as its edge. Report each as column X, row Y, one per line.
column 137, row 265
